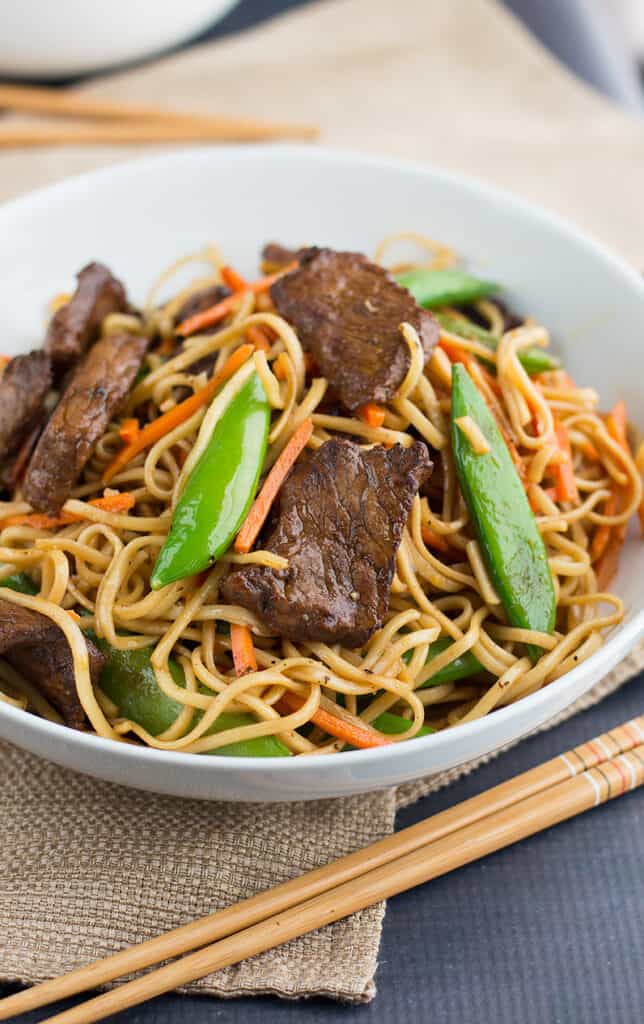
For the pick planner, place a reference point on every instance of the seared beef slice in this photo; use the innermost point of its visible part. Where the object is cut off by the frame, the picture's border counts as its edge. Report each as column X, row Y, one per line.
column 38, row 650
column 340, row 523
column 75, row 326
column 94, row 394
column 347, row 313
column 23, row 389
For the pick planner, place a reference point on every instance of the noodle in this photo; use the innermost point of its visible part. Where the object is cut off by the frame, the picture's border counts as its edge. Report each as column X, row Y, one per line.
column 101, row 562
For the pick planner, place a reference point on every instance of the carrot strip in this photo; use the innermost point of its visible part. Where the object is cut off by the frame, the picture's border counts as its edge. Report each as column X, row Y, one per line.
column 563, row 471
column 111, row 503
column 434, row 540
column 214, row 314
column 372, row 414
column 590, row 451
column 167, row 346
column 280, row 366
column 454, row 352
column 608, row 540
column 262, row 504
column 602, row 534
column 358, row 736
column 233, row 279
column 128, row 431
column 258, row 338
column 244, row 658
column 616, row 422
column 155, row 430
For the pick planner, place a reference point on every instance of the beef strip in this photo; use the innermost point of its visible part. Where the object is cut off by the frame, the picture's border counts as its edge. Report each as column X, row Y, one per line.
column 38, row 650
column 340, row 522
column 347, row 312
column 75, row 326
column 201, row 300
column 23, row 388
column 93, row 396
column 276, row 256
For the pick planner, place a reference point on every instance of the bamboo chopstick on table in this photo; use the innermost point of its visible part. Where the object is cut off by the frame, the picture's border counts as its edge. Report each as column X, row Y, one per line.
column 108, row 122
column 582, row 778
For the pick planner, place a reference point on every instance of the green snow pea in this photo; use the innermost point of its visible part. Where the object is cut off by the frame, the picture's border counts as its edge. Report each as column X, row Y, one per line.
column 220, row 489
column 463, row 667
column 21, row 582
column 128, row 679
column 392, row 724
column 534, row 360
column 512, row 546
column 433, row 288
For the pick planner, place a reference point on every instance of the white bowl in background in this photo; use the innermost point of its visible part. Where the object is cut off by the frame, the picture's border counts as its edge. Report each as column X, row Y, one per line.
column 44, row 39
column 139, row 217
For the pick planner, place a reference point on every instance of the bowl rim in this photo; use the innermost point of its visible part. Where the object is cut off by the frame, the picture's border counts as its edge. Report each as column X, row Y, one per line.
column 618, row 643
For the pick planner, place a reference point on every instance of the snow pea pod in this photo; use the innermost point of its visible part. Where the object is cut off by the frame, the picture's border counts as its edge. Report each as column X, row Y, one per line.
column 220, row 489
column 512, row 547
column 392, row 724
column 433, row 288
column 21, row 582
column 463, row 667
column 128, row 679
column 534, row 360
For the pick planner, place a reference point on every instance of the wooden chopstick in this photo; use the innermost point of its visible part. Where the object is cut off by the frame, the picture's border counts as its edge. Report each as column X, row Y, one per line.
column 441, row 828
column 580, row 793
column 127, row 123
column 134, row 132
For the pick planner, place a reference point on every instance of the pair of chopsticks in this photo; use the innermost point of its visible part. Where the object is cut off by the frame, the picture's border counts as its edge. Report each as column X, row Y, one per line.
column 576, row 781
column 104, row 122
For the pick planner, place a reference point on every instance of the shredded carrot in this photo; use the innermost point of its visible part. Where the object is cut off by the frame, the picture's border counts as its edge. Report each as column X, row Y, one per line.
column 233, row 279
column 358, row 736
column 616, row 422
column 214, row 314
column 372, row 414
column 262, row 504
column 73, row 615
column 167, row 346
column 434, row 540
column 280, row 366
column 590, row 451
column 608, row 540
column 562, row 471
column 455, row 353
column 258, row 337
column 244, row 657
column 157, row 429
column 118, row 503
column 602, row 534
column 128, row 431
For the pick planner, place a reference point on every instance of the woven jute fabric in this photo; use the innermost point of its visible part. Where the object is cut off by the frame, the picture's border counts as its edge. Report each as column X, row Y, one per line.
column 86, row 867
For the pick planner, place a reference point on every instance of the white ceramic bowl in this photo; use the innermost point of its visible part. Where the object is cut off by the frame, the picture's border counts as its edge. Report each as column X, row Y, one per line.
column 140, row 216
column 44, row 39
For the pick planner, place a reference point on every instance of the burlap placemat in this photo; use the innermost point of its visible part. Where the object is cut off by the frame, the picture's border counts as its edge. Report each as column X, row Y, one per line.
column 86, row 867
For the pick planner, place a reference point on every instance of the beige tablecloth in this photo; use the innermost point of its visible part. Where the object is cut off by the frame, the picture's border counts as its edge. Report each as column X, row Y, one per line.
column 86, row 867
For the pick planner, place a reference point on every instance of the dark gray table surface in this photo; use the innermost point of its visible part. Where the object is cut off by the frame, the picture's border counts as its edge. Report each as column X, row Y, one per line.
column 550, row 931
